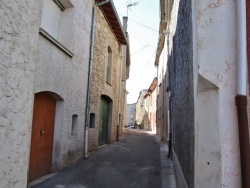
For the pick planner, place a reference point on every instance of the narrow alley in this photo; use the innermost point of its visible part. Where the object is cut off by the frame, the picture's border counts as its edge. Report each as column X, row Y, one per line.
column 133, row 161
column 125, row 94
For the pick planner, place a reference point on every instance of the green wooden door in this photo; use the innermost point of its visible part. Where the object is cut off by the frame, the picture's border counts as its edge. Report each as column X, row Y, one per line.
column 103, row 128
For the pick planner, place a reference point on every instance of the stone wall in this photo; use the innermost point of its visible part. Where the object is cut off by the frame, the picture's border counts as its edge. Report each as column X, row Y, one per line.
column 104, row 37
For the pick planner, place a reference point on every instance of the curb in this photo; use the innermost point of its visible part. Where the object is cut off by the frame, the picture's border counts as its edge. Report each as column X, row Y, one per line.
column 168, row 179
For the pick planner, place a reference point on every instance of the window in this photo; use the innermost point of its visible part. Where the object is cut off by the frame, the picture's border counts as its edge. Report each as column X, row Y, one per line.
column 109, row 66
column 92, row 120
column 56, row 23
column 74, row 127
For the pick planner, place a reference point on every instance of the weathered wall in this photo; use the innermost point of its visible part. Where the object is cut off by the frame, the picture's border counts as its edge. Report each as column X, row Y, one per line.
column 31, row 64
column 104, row 37
column 18, row 44
column 67, row 77
column 215, row 79
column 181, row 86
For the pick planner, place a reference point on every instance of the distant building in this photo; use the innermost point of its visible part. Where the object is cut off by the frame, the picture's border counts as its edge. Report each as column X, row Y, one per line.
column 150, row 96
column 141, row 115
column 130, row 114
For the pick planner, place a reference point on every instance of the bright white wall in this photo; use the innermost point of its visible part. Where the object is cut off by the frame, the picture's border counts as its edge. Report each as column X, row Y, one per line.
column 216, row 131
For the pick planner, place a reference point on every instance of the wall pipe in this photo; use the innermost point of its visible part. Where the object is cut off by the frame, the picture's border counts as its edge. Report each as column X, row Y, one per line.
column 241, row 89
column 89, row 76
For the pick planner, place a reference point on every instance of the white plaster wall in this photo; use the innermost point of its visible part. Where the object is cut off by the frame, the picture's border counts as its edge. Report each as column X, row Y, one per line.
column 57, row 72
column 18, row 43
column 214, row 38
column 26, row 54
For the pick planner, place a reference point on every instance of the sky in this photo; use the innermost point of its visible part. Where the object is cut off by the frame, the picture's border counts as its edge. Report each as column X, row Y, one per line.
column 143, row 30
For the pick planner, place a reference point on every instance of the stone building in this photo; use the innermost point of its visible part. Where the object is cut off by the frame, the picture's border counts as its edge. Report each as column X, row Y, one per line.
column 141, row 115
column 130, row 114
column 201, row 59
column 110, row 71
column 150, row 96
column 43, row 79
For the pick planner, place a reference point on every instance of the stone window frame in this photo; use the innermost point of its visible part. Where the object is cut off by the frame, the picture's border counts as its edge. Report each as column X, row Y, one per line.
column 63, row 39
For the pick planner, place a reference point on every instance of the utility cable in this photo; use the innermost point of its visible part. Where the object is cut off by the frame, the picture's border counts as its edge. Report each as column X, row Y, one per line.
column 149, row 59
column 140, row 49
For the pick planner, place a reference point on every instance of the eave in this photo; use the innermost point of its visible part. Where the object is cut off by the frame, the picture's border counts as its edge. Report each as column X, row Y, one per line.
column 112, row 18
column 151, row 87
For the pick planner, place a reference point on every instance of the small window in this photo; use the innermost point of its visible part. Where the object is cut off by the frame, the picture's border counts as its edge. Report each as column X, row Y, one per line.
column 92, row 120
column 109, row 66
column 74, row 128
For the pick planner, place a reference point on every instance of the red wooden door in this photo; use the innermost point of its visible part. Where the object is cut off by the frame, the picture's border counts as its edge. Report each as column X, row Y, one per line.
column 42, row 135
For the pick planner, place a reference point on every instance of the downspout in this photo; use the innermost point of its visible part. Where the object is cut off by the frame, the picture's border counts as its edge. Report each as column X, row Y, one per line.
column 89, row 76
column 241, row 89
column 119, row 101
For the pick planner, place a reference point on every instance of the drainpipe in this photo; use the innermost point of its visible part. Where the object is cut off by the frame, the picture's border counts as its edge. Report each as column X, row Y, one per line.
column 241, row 98
column 119, row 101
column 89, row 76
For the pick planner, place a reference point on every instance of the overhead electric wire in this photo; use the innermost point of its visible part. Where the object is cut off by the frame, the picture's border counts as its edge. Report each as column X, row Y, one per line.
column 141, row 24
column 140, row 49
column 144, row 25
column 149, row 59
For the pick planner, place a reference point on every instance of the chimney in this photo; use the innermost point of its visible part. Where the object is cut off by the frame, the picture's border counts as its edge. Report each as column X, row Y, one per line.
column 125, row 23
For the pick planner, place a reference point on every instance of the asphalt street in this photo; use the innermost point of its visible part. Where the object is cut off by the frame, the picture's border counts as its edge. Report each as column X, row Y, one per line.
column 132, row 162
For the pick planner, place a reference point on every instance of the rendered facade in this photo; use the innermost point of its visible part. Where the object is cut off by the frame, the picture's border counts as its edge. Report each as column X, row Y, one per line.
column 199, row 66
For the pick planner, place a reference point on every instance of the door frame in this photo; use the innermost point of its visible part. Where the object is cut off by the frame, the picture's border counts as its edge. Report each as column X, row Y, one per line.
column 110, row 107
column 57, row 137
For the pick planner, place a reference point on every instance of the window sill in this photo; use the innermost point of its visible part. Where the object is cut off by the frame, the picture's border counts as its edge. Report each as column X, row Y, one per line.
column 55, row 42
